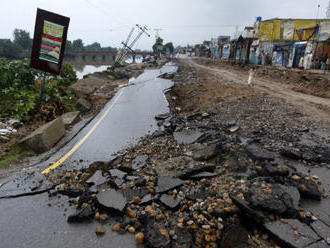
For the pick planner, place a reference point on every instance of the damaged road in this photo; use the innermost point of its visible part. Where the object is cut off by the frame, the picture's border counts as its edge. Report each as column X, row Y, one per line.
column 225, row 166
column 122, row 122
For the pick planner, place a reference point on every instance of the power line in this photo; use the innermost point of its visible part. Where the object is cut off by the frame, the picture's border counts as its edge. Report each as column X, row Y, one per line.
column 106, row 13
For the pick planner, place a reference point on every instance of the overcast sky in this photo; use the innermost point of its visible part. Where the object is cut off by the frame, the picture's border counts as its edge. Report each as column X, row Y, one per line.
column 182, row 21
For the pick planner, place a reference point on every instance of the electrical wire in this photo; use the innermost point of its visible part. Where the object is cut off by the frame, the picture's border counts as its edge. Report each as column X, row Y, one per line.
column 106, row 13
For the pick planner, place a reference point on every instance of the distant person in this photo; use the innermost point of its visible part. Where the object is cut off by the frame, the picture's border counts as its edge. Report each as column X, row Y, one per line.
column 301, row 62
column 252, row 73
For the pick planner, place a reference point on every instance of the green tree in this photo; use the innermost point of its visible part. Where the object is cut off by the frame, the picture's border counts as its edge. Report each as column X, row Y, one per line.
column 158, row 46
column 78, row 45
column 22, row 38
column 94, row 47
column 169, row 46
column 10, row 50
column 68, row 45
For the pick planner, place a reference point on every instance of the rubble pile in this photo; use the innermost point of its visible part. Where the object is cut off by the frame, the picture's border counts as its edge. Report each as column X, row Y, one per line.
column 8, row 129
column 204, row 179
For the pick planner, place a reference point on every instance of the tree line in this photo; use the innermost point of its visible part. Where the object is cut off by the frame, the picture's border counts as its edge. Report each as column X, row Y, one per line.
column 21, row 45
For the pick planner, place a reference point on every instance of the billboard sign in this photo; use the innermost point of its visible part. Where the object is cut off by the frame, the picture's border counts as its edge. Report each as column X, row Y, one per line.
column 49, row 41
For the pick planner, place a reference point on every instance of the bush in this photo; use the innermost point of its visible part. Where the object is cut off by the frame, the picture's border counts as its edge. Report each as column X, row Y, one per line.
column 17, row 103
column 20, row 91
column 16, row 74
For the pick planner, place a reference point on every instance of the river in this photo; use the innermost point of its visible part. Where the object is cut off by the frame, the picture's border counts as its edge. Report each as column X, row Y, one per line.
column 82, row 70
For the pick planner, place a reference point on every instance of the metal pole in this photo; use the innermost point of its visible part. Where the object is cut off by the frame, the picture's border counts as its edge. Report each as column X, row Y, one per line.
column 42, row 88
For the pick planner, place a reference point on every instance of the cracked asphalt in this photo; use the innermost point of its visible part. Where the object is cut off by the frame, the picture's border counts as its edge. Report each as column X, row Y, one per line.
column 29, row 218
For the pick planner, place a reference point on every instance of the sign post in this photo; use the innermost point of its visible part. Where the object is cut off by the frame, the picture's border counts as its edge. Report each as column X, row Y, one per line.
column 50, row 34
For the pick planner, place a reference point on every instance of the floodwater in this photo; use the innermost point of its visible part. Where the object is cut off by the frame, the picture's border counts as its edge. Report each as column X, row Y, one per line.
column 82, row 70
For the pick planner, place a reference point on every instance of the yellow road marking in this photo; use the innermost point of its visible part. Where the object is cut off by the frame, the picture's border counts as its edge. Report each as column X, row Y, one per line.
column 68, row 154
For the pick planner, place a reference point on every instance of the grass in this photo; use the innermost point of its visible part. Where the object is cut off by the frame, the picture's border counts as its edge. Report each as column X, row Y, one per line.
column 16, row 153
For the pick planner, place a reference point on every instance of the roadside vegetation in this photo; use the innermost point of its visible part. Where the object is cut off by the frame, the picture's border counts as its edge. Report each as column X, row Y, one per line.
column 20, row 99
column 20, row 92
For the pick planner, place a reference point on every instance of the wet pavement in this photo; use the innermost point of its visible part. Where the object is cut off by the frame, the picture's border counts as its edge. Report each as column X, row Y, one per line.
column 36, row 220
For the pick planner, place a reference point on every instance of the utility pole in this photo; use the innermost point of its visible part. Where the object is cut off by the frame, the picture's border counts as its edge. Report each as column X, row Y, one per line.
column 328, row 11
column 157, row 32
column 128, row 46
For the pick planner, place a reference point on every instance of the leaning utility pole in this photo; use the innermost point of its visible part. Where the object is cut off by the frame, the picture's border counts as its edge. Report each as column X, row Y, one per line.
column 328, row 11
column 128, row 47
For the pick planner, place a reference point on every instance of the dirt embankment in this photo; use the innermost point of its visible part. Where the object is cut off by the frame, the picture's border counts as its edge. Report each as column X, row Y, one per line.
column 308, row 82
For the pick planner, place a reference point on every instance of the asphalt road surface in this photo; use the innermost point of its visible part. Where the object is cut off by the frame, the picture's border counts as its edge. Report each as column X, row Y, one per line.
column 39, row 221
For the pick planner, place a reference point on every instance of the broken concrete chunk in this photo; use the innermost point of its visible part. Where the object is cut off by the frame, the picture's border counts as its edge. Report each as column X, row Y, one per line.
column 167, row 183
column 320, row 244
column 45, row 137
column 196, row 170
column 70, row 118
column 112, row 201
column 186, row 137
column 256, row 152
column 117, row 173
column 169, row 202
column 97, row 178
column 307, row 188
column 206, row 153
column 235, row 236
column 162, row 117
column 139, row 162
column 292, row 233
column 203, row 175
column 249, row 213
column 130, row 193
column 322, row 230
column 84, row 105
column 146, row 200
column 289, row 153
column 152, row 235
column 277, row 199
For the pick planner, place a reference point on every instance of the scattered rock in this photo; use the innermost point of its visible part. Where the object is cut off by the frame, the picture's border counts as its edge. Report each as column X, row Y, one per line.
column 162, row 117
column 247, row 212
column 70, row 118
column 45, row 137
column 84, row 105
column 116, row 227
column 187, row 136
column 153, row 238
column 290, row 154
column 196, row 170
column 206, row 153
column 258, row 153
column 203, row 175
column 234, row 236
column 139, row 162
column 100, row 230
column 139, row 237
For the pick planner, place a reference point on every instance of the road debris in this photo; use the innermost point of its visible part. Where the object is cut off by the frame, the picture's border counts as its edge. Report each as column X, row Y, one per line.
column 208, row 181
